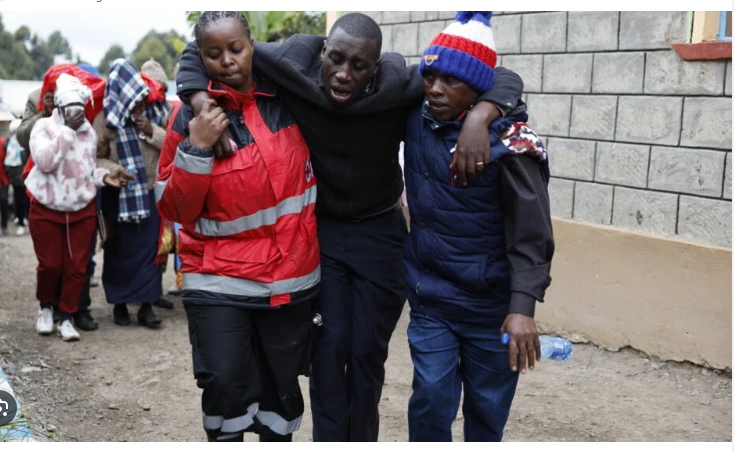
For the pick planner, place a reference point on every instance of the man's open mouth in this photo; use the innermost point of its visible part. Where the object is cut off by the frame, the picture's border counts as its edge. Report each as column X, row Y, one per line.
column 340, row 93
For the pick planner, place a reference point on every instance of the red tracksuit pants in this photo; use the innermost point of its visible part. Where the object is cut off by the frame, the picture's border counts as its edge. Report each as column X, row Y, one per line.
column 62, row 241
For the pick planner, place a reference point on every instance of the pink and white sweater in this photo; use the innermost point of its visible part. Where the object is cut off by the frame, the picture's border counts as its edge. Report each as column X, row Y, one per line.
column 65, row 175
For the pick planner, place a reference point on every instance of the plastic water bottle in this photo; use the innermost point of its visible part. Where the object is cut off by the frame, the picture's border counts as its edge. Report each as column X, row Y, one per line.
column 551, row 347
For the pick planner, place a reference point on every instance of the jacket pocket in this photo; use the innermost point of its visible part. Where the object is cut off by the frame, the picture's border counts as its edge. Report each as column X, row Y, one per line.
column 233, row 179
column 239, row 258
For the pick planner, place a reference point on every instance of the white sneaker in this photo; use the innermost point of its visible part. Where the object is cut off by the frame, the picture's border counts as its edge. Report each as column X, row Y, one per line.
column 45, row 321
column 15, row 220
column 67, row 331
column 93, row 282
column 20, row 230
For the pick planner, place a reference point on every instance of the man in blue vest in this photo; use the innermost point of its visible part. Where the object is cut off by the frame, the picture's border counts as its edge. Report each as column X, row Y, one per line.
column 478, row 256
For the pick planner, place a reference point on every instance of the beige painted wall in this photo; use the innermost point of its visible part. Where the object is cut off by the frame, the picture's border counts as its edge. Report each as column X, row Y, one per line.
column 668, row 298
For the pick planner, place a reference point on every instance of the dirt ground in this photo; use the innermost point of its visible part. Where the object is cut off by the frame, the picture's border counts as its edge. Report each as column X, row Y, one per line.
column 135, row 384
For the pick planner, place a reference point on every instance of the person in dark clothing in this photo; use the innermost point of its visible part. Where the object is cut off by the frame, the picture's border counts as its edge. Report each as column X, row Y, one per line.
column 15, row 159
column 477, row 257
column 352, row 104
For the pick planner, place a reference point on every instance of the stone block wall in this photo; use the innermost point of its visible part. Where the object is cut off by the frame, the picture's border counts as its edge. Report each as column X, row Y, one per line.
column 638, row 138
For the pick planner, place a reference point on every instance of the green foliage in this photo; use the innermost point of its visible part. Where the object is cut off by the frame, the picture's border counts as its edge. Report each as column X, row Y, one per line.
column 113, row 53
column 272, row 26
column 26, row 56
column 165, row 48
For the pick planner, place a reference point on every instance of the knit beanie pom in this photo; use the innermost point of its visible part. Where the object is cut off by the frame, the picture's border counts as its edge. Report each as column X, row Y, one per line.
column 481, row 16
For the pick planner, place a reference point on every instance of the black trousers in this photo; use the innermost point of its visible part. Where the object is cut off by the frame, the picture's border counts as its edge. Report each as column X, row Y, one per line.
column 248, row 361
column 4, row 207
column 362, row 297
column 21, row 204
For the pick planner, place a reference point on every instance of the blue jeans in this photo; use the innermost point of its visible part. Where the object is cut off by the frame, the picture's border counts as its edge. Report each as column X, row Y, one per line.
column 446, row 356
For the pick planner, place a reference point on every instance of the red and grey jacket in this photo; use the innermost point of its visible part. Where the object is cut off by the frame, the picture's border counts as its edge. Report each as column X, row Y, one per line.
column 248, row 235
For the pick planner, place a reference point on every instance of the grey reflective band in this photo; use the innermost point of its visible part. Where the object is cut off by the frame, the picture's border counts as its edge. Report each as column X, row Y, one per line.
column 158, row 189
column 264, row 217
column 236, row 424
column 193, row 164
column 277, row 424
column 248, row 288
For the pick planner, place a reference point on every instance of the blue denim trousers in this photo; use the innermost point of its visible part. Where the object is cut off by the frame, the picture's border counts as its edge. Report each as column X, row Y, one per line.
column 448, row 355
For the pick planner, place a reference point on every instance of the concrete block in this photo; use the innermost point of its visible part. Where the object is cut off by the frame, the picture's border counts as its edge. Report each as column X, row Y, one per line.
column 417, row 16
column 529, row 68
column 593, row 203
column 645, row 211
column 707, row 122
column 569, row 73
column 405, row 39
column 572, row 159
column 727, row 177
column 426, row 32
column 432, row 15
column 705, row 220
column 667, row 73
column 395, row 17
column 560, row 192
column 593, row 117
column 412, row 60
column 651, row 29
column 727, row 82
column 619, row 73
column 622, row 164
column 507, row 32
column 685, row 170
column 447, row 14
column 592, row 30
column 544, row 32
column 654, row 120
column 550, row 114
column 387, row 42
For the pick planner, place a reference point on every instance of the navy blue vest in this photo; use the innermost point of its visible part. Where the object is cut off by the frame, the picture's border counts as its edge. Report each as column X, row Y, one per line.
column 455, row 255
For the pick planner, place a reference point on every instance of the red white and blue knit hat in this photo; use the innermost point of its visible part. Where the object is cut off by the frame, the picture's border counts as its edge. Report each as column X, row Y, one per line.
column 465, row 50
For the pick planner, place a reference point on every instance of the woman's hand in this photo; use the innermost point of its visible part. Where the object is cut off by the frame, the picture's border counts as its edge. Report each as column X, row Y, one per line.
column 74, row 117
column 206, row 127
column 142, row 124
column 222, row 148
column 118, row 178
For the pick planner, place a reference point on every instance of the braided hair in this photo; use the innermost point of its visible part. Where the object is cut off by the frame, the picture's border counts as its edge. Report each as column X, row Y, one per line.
column 209, row 17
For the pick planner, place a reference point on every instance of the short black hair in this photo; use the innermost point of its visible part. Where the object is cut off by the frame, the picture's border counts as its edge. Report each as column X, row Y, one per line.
column 209, row 17
column 359, row 25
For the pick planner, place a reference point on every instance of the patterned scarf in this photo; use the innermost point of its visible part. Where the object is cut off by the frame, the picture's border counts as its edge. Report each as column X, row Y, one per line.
column 125, row 88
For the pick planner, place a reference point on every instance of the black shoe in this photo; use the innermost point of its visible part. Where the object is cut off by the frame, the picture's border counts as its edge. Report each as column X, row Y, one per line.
column 237, row 438
column 120, row 315
column 85, row 322
column 271, row 437
column 163, row 302
column 146, row 316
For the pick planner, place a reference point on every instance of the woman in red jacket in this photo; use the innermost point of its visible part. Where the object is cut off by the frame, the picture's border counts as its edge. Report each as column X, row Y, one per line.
column 248, row 246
